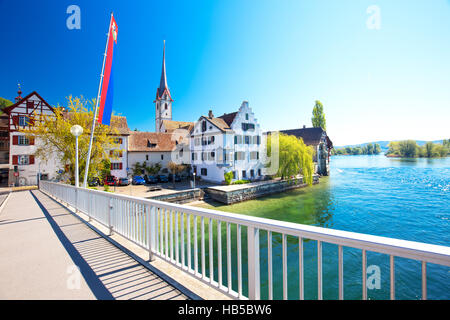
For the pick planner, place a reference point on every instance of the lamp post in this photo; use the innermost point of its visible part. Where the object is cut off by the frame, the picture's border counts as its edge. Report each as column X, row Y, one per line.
column 76, row 131
column 194, row 179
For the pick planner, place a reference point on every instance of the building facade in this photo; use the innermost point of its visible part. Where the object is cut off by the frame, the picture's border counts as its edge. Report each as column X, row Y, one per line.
column 23, row 166
column 231, row 142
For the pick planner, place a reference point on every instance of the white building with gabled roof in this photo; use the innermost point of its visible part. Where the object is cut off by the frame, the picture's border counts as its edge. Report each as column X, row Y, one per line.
column 231, row 142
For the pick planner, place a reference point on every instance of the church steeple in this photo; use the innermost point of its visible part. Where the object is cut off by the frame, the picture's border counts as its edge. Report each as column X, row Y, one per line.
column 163, row 101
column 163, row 87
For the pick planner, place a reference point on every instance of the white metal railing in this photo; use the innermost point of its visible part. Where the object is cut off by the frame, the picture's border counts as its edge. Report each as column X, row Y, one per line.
column 171, row 232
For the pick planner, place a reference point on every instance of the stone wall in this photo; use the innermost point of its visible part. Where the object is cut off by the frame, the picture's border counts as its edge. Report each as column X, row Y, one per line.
column 180, row 197
column 256, row 191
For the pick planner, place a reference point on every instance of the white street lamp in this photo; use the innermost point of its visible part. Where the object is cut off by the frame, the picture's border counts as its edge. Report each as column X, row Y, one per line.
column 194, row 178
column 76, row 131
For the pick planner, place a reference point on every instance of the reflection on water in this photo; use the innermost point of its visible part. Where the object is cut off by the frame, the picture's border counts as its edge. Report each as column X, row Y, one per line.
column 399, row 198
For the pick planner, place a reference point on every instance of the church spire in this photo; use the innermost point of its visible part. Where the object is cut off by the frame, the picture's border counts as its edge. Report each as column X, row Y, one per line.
column 163, row 82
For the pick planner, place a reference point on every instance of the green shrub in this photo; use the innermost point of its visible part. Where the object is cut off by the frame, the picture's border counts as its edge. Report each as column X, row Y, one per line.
column 228, row 177
column 241, row 181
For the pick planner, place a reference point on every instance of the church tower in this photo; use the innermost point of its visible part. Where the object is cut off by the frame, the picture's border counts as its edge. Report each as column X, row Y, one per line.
column 163, row 101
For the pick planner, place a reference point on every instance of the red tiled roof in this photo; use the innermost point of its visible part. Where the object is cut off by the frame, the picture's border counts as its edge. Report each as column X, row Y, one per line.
column 150, row 141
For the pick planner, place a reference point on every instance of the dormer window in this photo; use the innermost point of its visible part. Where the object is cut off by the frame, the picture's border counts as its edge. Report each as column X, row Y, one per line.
column 246, row 116
column 150, row 144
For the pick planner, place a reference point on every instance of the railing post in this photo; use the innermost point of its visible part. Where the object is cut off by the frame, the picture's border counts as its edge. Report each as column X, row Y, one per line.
column 110, row 208
column 151, row 231
column 253, row 263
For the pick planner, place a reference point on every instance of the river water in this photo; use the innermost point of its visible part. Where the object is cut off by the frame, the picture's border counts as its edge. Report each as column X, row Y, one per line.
column 399, row 198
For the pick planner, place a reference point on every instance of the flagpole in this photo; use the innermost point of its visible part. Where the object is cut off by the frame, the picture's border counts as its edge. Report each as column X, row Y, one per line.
column 86, row 169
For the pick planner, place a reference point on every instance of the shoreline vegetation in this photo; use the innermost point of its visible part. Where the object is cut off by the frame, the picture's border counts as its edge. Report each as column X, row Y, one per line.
column 367, row 149
column 410, row 149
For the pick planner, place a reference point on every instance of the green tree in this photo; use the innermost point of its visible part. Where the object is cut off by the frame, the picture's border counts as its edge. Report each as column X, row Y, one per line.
column 174, row 169
column 376, row 149
column 55, row 138
column 4, row 103
column 318, row 118
column 295, row 157
column 105, row 169
column 138, row 168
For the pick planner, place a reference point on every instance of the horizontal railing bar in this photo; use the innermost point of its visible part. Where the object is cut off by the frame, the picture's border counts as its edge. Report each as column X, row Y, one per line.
column 402, row 248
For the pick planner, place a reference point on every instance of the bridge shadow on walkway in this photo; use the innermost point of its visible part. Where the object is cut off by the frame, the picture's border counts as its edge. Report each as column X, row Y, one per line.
column 109, row 272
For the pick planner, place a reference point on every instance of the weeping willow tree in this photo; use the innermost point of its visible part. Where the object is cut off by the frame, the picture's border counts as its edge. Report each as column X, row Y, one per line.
column 295, row 157
column 56, row 141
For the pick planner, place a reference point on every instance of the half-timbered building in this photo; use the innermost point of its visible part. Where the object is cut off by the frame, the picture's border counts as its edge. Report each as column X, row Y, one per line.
column 23, row 167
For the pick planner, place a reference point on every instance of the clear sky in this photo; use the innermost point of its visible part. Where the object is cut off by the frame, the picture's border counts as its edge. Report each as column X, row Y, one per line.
column 379, row 77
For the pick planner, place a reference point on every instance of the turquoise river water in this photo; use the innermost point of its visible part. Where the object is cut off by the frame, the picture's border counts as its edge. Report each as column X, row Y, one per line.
column 399, row 198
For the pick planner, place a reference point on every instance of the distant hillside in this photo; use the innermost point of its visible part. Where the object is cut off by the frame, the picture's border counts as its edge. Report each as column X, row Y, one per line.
column 384, row 144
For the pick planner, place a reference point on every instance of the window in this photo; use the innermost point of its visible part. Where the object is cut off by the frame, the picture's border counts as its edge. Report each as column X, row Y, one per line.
column 203, row 126
column 239, row 155
column 146, row 157
column 118, row 140
column 237, row 139
column 246, row 116
column 23, row 121
column 259, row 172
column 234, row 174
column 252, row 173
column 23, row 140
column 23, row 159
column 244, row 174
column 116, row 166
column 162, row 157
column 203, row 172
column 213, row 154
column 247, row 139
column 254, row 155
column 248, row 126
column 194, row 156
column 165, row 106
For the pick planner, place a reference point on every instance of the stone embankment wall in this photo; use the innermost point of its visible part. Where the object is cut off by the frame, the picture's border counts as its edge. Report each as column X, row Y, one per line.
column 256, row 191
column 180, row 197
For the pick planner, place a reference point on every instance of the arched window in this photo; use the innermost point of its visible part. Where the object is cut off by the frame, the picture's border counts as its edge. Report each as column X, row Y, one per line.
column 166, row 106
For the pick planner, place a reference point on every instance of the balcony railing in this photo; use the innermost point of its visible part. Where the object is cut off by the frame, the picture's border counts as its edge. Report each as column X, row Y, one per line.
column 210, row 245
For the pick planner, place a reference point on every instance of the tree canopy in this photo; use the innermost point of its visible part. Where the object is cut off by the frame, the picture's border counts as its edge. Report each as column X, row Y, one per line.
column 55, row 138
column 4, row 103
column 318, row 118
column 410, row 149
column 295, row 157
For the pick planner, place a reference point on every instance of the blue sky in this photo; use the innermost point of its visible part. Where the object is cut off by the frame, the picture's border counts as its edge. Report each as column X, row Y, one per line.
column 376, row 84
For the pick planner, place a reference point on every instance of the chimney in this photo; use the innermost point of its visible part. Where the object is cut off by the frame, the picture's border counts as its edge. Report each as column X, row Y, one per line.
column 210, row 114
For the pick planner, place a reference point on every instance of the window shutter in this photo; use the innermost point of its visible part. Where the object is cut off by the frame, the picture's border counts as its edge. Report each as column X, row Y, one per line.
column 120, row 166
column 15, row 159
column 31, row 141
column 15, row 120
column 15, row 140
column 120, row 140
column 111, row 166
column 31, row 159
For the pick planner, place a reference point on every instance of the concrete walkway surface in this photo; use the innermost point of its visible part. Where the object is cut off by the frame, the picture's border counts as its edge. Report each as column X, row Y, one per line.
column 48, row 253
